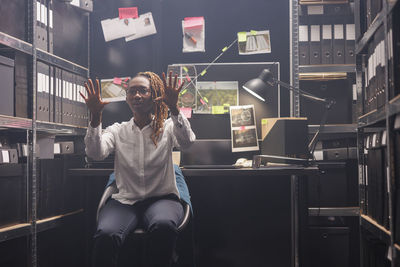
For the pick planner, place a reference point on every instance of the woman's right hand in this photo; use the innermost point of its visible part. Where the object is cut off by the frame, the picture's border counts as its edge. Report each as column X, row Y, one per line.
column 94, row 102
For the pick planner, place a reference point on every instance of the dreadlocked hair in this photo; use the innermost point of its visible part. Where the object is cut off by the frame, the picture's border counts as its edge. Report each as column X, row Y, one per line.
column 160, row 109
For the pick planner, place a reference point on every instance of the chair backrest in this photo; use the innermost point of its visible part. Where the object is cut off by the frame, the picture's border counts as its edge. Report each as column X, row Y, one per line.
column 112, row 189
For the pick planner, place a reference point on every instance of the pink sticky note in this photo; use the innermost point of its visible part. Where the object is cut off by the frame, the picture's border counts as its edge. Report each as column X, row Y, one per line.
column 193, row 22
column 242, row 128
column 128, row 12
column 202, row 101
column 117, row 80
column 187, row 112
column 188, row 78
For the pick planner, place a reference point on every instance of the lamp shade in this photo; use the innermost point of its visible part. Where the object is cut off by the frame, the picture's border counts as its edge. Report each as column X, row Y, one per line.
column 257, row 86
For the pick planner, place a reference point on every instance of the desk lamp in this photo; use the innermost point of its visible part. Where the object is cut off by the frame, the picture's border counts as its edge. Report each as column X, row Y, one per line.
column 265, row 79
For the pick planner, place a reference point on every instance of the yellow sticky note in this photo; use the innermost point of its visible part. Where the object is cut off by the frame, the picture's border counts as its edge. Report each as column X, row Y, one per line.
column 224, row 49
column 203, row 72
column 252, row 32
column 242, row 36
column 218, row 110
column 264, row 121
column 205, row 99
column 183, row 92
column 185, row 69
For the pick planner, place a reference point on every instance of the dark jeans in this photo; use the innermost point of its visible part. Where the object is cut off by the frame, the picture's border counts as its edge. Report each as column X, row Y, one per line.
column 160, row 217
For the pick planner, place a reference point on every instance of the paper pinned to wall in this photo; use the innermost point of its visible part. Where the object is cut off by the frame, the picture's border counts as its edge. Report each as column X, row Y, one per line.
column 117, row 28
column 144, row 27
column 243, row 128
column 128, row 12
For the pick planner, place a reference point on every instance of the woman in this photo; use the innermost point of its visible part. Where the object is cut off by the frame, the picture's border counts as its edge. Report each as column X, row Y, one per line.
column 144, row 172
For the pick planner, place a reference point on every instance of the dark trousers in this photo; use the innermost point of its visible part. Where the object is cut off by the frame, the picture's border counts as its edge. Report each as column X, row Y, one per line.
column 160, row 217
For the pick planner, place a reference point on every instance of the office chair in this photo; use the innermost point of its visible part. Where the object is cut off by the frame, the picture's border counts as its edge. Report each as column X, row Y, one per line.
column 112, row 189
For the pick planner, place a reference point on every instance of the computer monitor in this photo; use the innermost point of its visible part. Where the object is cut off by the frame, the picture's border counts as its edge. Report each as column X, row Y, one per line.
column 285, row 137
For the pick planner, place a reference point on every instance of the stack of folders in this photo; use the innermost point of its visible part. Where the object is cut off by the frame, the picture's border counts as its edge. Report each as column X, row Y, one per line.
column 376, row 184
column 375, row 87
column 393, row 41
column 44, row 25
column 58, row 98
column 324, row 38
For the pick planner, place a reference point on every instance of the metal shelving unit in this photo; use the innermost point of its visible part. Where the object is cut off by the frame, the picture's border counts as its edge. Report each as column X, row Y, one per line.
column 31, row 127
column 376, row 121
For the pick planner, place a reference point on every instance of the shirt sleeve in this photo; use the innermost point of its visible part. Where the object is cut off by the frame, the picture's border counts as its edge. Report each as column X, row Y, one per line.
column 99, row 144
column 183, row 134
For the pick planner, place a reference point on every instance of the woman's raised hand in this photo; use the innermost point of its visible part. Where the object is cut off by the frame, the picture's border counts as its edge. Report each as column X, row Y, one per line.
column 172, row 92
column 93, row 100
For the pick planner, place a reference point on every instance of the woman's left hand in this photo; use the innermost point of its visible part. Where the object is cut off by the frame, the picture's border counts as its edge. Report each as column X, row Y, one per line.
column 171, row 93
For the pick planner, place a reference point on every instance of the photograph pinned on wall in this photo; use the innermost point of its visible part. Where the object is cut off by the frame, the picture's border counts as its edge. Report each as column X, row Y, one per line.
column 215, row 97
column 113, row 90
column 243, row 128
column 254, row 42
column 193, row 34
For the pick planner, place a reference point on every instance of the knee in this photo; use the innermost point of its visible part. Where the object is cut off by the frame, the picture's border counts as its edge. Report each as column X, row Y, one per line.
column 164, row 226
column 107, row 238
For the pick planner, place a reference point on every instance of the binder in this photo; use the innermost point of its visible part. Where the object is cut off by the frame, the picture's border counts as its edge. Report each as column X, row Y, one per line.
column 42, row 92
column 315, row 44
column 41, row 22
column 338, row 44
column 50, row 28
column 58, row 96
column 326, row 45
column 52, row 94
column 350, row 55
column 304, row 58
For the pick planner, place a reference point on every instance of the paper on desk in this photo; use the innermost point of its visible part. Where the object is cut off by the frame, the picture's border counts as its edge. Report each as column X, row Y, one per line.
column 144, row 26
column 117, row 28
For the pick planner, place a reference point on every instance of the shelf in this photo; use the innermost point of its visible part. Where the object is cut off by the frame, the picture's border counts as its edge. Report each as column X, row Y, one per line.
column 394, row 106
column 334, row 211
column 327, row 68
column 323, row 2
column 59, row 129
column 362, row 43
column 375, row 228
column 15, row 43
column 9, row 122
column 333, row 128
column 55, row 221
column 15, row 122
column 44, row 56
column 372, row 117
column 14, row 231
column 62, row 63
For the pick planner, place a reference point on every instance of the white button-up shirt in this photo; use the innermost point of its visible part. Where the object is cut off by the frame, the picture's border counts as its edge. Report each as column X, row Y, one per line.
column 142, row 170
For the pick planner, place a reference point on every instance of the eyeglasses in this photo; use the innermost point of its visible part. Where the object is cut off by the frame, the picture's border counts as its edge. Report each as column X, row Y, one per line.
column 142, row 91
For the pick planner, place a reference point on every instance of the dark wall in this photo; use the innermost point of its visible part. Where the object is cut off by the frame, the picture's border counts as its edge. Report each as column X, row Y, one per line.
column 223, row 19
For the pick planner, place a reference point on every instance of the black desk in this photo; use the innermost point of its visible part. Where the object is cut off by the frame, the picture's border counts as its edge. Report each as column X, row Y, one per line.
column 242, row 217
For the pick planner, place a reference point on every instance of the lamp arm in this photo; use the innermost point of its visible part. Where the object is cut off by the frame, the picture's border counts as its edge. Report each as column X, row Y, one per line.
column 301, row 92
